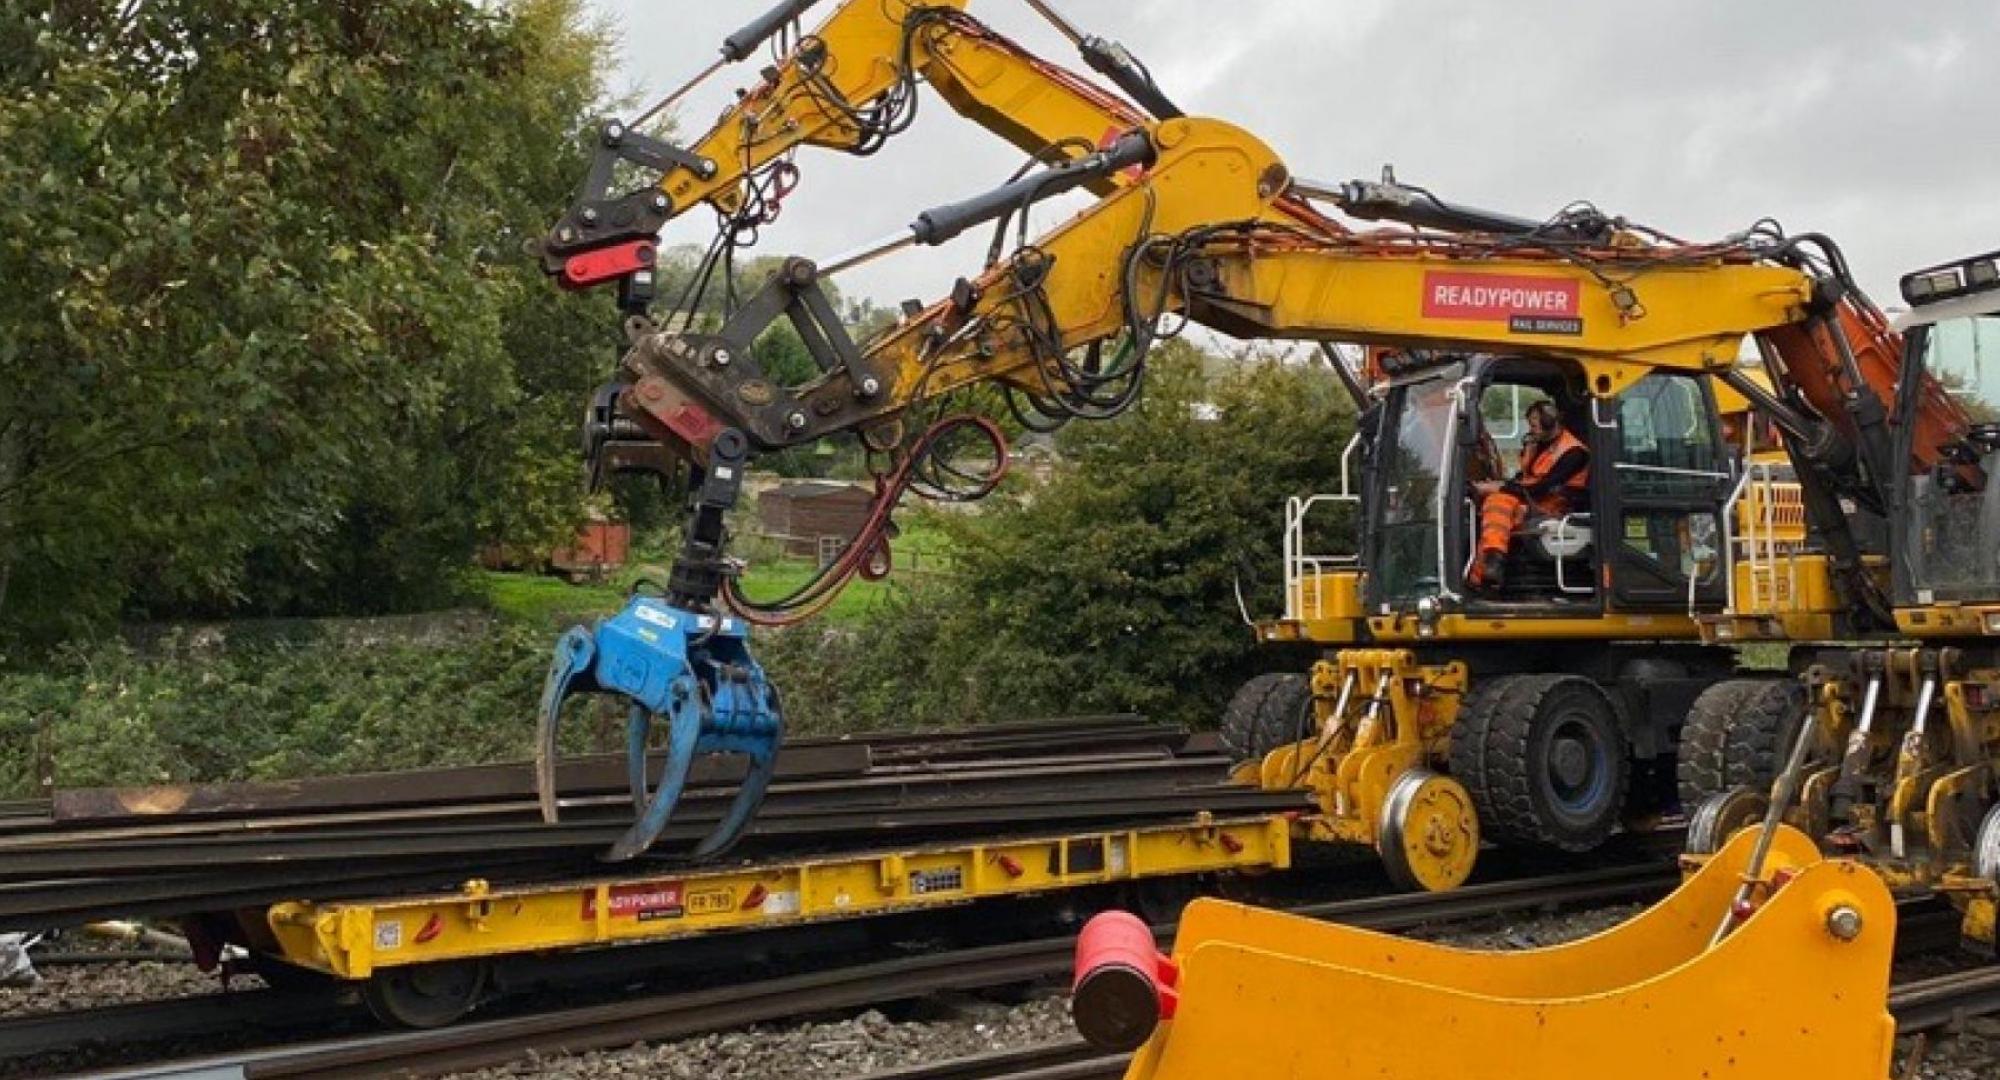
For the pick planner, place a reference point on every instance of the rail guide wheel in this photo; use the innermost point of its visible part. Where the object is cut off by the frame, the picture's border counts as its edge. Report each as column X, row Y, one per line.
column 1162, row 899
column 1429, row 836
column 425, row 995
column 1986, row 849
column 1721, row 816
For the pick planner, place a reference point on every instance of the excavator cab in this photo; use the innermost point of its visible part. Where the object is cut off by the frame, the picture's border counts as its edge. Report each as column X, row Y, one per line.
column 1643, row 534
column 1951, row 523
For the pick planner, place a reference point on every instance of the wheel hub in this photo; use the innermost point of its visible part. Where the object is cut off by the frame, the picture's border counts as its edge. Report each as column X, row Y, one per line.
column 1569, row 763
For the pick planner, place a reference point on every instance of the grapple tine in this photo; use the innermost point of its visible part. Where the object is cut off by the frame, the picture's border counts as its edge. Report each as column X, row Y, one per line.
column 747, row 718
column 638, row 731
column 569, row 670
column 743, row 807
column 684, row 734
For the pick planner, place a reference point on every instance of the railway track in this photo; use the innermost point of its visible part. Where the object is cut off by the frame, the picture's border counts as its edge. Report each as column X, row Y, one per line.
column 1069, row 1059
column 272, row 1011
column 666, row 1017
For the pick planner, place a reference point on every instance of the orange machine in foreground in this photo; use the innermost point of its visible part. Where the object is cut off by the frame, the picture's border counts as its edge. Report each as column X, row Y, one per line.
column 1797, row 989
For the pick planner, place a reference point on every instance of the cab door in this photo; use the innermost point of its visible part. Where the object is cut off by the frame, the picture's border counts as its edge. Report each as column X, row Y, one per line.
column 1662, row 496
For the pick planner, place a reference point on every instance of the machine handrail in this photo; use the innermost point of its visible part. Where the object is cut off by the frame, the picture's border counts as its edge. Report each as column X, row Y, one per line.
column 1297, row 562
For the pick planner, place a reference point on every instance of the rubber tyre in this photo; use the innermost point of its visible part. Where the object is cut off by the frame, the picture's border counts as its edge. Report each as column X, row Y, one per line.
column 1266, row 714
column 1554, row 766
column 1467, row 761
column 1698, row 767
column 1762, row 732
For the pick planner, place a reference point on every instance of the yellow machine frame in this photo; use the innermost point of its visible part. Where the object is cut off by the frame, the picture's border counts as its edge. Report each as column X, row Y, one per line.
column 1404, row 728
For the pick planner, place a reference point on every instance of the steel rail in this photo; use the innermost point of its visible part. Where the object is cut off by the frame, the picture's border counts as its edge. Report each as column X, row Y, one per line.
column 306, row 825
column 1058, row 1060
column 375, row 855
column 666, row 1017
column 801, row 758
column 50, row 1032
column 957, row 770
column 1945, row 1000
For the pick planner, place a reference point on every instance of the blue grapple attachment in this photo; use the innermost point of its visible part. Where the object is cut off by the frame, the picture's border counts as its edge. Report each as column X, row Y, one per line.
column 694, row 671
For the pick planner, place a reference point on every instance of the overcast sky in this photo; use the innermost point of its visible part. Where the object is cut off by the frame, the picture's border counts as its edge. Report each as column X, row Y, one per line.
column 1876, row 123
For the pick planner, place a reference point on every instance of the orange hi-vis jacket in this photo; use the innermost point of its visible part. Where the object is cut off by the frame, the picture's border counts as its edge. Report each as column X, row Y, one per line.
column 1536, row 464
column 1507, row 509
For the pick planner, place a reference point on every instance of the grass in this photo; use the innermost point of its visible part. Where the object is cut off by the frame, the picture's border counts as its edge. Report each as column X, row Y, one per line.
column 538, row 598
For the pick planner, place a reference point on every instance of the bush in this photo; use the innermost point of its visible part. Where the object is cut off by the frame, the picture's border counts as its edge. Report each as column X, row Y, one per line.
column 273, row 710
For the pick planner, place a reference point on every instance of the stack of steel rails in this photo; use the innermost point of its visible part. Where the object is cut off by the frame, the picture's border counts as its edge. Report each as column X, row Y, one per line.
column 180, row 850
column 23, row 810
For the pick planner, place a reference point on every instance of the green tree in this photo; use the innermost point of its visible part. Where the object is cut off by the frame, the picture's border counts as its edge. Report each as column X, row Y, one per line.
column 266, row 337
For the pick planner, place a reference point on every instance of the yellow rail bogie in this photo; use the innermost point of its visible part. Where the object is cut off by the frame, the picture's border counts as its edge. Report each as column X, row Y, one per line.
column 1788, row 993
column 1398, row 717
column 1922, row 833
column 354, row 939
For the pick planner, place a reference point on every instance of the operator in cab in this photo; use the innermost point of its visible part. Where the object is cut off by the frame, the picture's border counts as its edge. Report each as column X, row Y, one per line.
column 1554, row 479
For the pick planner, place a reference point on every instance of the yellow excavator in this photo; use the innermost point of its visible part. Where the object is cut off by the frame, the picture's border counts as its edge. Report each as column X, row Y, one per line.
column 1427, row 726
column 1429, row 723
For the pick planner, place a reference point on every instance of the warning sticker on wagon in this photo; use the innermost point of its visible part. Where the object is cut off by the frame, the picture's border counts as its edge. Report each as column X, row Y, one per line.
column 644, row 901
column 1528, row 305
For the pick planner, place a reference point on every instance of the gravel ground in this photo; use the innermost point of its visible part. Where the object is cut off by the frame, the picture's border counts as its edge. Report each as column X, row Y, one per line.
column 867, row 1043
column 66, row 987
column 1973, row 1054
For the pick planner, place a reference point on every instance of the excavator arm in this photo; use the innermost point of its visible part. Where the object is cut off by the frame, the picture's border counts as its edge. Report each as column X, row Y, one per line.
column 849, row 85
column 1203, row 233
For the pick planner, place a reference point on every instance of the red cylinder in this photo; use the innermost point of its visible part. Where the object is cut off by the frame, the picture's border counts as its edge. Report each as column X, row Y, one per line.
column 1123, row 986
